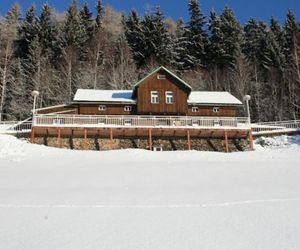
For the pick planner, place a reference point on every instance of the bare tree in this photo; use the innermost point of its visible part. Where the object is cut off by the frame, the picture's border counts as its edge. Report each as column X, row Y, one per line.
column 8, row 36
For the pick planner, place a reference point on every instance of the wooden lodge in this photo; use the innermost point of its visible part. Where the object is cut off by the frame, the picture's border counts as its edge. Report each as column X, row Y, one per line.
column 161, row 105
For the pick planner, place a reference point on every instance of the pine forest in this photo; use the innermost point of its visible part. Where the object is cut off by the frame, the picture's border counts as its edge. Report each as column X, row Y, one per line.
column 97, row 47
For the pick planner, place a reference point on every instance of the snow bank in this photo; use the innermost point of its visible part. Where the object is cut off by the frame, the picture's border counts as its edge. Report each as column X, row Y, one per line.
column 278, row 141
column 10, row 146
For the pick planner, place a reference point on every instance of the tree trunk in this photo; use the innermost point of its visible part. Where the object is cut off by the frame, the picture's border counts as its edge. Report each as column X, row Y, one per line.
column 70, row 78
column 4, row 77
column 96, row 66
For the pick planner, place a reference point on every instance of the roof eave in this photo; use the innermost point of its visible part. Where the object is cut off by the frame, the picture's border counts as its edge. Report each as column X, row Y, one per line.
column 215, row 104
column 103, row 102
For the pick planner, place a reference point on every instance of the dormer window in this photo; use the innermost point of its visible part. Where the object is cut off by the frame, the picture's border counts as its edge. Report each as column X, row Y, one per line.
column 169, row 97
column 154, row 97
column 161, row 77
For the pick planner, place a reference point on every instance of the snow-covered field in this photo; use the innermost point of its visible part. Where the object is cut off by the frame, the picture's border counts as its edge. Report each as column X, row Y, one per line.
column 135, row 199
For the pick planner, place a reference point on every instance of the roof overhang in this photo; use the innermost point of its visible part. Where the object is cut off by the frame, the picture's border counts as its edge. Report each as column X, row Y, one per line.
column 103, row 102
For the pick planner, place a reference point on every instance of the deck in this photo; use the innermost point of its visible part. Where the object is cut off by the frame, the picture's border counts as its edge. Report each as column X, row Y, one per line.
column 149, row 127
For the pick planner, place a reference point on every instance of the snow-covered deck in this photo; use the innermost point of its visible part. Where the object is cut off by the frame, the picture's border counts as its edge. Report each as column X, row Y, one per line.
column 94, row 121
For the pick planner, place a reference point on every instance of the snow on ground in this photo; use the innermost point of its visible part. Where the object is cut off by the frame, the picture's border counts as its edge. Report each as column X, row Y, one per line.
column 135, row 199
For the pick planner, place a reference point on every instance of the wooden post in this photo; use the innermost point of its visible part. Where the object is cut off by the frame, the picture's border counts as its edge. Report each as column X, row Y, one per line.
column 111, row 138
column 189, row 140
column 150, row 139
column 251, row 140
column 59, row 138
column 85, row 134
column 226, row 142
column 32, row 135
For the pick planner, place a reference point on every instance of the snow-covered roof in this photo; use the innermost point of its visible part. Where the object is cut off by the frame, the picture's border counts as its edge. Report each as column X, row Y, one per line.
column 213, row 97
column 92, row 95
column 125, row 96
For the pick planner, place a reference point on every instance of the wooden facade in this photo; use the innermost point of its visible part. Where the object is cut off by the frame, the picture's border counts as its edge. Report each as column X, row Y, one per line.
column 109, row 109
column 199, row 110
column 161, row 83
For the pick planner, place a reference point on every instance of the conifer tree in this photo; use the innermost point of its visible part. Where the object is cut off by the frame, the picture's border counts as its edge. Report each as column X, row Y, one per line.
column 46, row 31
column 161, row 39
column 215, row 48
column 74, row 37
column 97, row 44
column 99, row 17
column 27, row 32
column 148, row 34
column 74, row 33
column 197, row 36
column 87, row 20
column 135, row 37
column 14, row 15
column 231, row 37
column 292, row 54
column 179, row 48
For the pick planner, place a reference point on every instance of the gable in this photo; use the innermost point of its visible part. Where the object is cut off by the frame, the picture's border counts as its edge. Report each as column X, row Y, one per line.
column 172, row 77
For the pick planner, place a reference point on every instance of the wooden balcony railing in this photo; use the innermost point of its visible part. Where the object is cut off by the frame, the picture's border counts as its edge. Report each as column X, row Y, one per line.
column 94, row 121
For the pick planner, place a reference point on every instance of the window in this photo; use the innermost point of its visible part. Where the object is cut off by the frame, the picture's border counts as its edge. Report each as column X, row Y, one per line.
column 161, row 77
column 127, row 108
column 216, row 109
column 102, row 108
column 195, row 109
column 154, row 97
column 169, row 97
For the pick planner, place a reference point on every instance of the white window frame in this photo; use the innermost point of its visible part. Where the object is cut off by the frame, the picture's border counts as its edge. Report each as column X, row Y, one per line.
column 161, row 77
column 168, row 98
column 195, row 109
column 127, row 108
column 102, row 107
column 154, row 99
column 216, row 109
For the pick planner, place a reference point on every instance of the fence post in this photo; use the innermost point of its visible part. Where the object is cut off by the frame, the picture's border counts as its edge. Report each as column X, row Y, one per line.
column 226, row 141
column 32, row 135
column 59, row 138
column 251, row 140
column 189, row 139
column 111, row 138
column 150, row 139
column 85, row 133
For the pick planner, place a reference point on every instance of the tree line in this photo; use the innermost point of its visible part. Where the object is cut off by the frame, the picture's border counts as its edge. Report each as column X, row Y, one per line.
column 57, row 53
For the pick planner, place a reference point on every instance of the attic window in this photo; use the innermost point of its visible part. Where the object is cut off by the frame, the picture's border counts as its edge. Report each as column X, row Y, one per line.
column 102, row 108
column 216, row 109
column 161, row 77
